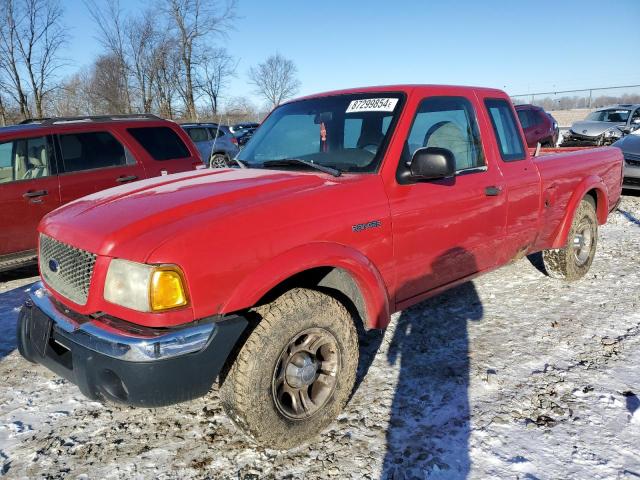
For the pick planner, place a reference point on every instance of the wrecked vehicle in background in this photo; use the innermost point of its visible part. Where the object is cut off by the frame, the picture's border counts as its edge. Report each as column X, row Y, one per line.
column 603, row 126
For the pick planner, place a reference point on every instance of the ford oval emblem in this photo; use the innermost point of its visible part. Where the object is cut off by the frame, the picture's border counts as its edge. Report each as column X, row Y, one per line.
column 54, row 266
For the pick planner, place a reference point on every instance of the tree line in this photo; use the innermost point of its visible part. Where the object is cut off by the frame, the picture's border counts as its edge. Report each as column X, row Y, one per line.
column 168, row 59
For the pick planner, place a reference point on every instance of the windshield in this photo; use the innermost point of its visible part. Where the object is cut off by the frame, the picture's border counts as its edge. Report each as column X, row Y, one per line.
column 611, row 115
column 345, row 132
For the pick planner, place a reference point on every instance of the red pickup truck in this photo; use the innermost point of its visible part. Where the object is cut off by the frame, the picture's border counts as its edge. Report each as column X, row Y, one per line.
column 345, row 207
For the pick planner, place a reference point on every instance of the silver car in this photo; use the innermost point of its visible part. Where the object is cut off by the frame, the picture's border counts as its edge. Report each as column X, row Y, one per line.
column 216, row 144
column 630, row 146
column 604, row 126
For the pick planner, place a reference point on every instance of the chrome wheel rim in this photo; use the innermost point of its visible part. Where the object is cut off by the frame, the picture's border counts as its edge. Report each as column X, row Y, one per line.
column 583, row 242
column 218, row 161
column 306, row 373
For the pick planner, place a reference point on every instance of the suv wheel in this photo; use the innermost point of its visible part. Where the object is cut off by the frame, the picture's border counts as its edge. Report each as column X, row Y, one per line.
column 296, row 370
column 574, row 260
column 219, row 160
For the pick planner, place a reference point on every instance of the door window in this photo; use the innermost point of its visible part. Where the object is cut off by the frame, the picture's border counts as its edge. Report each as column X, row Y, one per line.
column 91, row 150
column 525, row 118
column 25, row 159
column 198, row 134
column 216, row 132
column 447, row 122
column 162, row 143
column 504, row 127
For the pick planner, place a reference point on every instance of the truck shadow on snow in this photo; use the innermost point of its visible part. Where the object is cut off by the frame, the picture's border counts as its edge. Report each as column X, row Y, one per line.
column 10, row 303
column 429, row 426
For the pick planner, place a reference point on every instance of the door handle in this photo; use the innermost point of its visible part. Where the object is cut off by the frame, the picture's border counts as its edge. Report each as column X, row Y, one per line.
column 35, row 194
column 126, row 178
column 492, row 191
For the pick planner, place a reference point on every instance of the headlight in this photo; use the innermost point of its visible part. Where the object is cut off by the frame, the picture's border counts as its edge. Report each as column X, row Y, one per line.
column 613, row 132
column 146, row 288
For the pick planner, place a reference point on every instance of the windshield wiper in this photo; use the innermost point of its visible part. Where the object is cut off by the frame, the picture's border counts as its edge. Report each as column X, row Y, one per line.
column 298, row 161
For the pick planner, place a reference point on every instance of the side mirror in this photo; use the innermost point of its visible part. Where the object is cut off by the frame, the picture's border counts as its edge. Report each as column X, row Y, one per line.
column 432, row 163
column 626, row 129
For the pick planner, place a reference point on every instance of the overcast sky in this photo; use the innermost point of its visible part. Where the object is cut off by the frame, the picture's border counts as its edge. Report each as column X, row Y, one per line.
column 515, row 45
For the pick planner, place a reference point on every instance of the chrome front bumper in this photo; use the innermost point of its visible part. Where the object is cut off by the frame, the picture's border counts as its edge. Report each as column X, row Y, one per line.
column 110, row 359
column 143, row 346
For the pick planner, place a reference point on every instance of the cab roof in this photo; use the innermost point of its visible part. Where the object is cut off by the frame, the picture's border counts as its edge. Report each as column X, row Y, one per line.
column 404, row 88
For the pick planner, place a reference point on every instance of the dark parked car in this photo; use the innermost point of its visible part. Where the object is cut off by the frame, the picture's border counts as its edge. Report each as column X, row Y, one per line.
column 245, row 136
column 630, row 146
column 538, row 126
column 604, row 126
column 47, row 163
column 240, row 129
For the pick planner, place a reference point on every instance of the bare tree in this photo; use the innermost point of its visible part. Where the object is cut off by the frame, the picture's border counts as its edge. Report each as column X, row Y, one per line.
column 241, row 109
column 142, row 39
column 194, row 22
column 109, row 19
column 3, row 112
column 107, row 89
column 39, row 40
column 9, row 57
column 167, row 67
column 217, row 68
column 275, row 79
column 73, row 98
column 31, row 35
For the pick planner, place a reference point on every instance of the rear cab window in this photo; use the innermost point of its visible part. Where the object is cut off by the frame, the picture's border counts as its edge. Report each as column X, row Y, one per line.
column 505, row 130
column 162, row 143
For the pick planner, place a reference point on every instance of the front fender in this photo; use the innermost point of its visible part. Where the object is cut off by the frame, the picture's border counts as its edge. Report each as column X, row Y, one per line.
column 592, row 182
column 321, row 254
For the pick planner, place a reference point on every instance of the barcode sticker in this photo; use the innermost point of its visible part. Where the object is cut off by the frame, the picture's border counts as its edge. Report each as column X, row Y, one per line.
column 372, row 105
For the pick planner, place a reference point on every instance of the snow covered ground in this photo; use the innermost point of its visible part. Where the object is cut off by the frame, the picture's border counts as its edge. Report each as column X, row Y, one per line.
column 512, row 376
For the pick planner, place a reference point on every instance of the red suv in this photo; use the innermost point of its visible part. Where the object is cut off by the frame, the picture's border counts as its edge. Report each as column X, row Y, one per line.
column 47, row 163
column 538, row 126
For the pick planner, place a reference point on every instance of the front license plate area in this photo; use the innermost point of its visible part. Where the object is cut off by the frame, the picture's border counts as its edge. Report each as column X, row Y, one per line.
column 40, row 331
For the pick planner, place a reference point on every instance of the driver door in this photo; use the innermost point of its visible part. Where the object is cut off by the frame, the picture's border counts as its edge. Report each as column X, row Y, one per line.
column 446, row 229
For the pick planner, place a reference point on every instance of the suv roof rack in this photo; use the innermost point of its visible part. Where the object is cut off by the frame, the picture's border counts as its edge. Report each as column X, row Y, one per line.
column 91, row 118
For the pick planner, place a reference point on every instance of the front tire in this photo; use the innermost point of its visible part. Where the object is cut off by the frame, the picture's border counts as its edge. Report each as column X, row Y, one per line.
column 574, row 260
column 296, row 370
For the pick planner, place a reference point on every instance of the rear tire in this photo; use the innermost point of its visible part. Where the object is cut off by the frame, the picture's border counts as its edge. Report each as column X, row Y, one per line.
column 219, row 160
column 278, row 390
column 573, row 261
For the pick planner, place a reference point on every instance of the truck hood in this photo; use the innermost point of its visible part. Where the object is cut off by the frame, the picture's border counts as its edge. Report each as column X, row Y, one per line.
column 590, row 128
column 105, row 221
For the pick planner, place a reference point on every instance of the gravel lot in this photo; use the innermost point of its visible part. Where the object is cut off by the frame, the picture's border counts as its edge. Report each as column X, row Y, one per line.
column 512, row 376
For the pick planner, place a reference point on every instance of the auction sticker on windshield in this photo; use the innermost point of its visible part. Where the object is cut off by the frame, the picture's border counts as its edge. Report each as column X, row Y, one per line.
column 372, row 105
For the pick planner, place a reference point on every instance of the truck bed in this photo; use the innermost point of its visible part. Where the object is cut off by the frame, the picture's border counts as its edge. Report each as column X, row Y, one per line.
column 561, row 171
